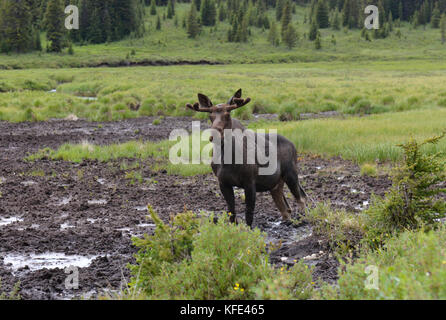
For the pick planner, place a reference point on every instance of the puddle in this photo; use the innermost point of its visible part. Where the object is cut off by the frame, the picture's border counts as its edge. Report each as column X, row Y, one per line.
column 49, row 260
column 362, row 206
column 64, row 201
column 65, row 226
column 10, row 220
column 141, row 208
column 99, row 201
column 101, row 181
column 28, row 183
column 87, row 98
column 146, row 225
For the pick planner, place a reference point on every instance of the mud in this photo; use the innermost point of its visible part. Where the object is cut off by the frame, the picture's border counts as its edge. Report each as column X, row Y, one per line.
column 87, row 212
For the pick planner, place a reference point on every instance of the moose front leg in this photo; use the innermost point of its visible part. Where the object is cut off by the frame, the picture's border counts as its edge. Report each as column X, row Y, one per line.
column 228, row 194
column 250, row 198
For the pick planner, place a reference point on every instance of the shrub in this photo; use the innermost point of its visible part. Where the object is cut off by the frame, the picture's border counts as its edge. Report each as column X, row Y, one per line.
column 368, row 169
column 341, row 229
column 413, row 200
column 198, row 258
column 13, row 295
column 410, row 266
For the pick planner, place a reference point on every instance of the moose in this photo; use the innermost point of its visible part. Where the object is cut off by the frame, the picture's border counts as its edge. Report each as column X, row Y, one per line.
column 247, row 175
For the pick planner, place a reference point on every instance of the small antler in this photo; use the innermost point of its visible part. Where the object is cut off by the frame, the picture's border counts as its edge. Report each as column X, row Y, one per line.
column 196, row 107
column 239, row 102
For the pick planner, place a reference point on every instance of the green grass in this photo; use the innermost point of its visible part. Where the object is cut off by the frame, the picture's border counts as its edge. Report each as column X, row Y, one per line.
column 350, row 88
column 408, row 267
column 172, row 44
column 364, row 139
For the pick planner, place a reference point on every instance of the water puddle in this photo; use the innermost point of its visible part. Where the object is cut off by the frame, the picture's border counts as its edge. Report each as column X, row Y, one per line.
column 101, row 181
column 87, row 98
column 65, row 226
column 10, row 220
column 64, row 201
column 97, row 201
column 362, row 206
column 141, row 208
column 48, row 260
column 28, row 183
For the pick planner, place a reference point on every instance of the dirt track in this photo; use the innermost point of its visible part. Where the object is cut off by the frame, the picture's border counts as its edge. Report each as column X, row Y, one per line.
column 89, row 211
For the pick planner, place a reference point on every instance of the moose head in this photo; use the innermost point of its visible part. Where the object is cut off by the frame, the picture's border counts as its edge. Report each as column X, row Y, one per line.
column 220, row 115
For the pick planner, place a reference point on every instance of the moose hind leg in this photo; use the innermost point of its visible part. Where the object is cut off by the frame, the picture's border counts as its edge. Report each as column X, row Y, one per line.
column 280, row 201
column 228, row 194
column 250, row 198
column 292, row 181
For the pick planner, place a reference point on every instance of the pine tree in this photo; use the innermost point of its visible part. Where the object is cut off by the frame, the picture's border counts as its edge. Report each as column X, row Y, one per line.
column 336, row 24
column 170, row 9
column 153, row 8
column 16, row 26
column 436, row 17
column 322, row 14
column 158, row 23
column 286, row 16
column 443, row 28
column 318, row 41
column 290, row 37
column 279, row 9
column 208, row 13
column 193, row 27
column 273, row 35
column 313, row 31
column 55, row 25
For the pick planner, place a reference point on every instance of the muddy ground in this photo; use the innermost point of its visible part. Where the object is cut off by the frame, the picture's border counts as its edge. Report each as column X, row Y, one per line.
column 54, row 214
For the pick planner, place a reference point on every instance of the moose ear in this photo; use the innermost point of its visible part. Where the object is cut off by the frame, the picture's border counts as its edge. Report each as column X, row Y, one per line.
column 238, row 94
column 205, row 102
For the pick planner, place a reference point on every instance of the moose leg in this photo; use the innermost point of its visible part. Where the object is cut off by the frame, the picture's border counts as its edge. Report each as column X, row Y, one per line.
column 228, row 194
column 280, row 201
column 292, row 181
column 250, row 198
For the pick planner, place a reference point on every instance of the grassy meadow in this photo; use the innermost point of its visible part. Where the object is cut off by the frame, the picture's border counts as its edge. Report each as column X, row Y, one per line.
column 105, row 94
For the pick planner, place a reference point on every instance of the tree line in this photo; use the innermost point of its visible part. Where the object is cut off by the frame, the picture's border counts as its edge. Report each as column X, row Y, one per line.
column 22, row 21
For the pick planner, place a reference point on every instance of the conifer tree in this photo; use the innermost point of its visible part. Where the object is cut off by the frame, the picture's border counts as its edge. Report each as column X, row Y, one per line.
column 208, row 13
column 443, row 28
column 170, row 9
column 322, row 14
column 436, row 17
column 273, row 35
column 286, row 16
column 290, row 36
column 54, row 21
column 193, row 26
column 153, row 8
column 16, row 26
column 312, row 34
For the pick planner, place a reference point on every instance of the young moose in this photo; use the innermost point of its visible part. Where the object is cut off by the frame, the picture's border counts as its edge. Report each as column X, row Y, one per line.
column 246, row 175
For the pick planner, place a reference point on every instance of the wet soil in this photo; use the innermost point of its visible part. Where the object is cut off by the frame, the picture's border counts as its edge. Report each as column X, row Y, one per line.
column 91, row 209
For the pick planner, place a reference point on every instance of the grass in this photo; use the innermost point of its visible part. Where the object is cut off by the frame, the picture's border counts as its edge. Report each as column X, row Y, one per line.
column 350, row 88
column 408, row 267
column 364, row 139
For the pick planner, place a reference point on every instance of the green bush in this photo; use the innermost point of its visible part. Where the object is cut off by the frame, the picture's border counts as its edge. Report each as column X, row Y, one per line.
column 410, row 266
column 13, row 295
column 342, row 230
column 197, row 258
column 413, row 200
